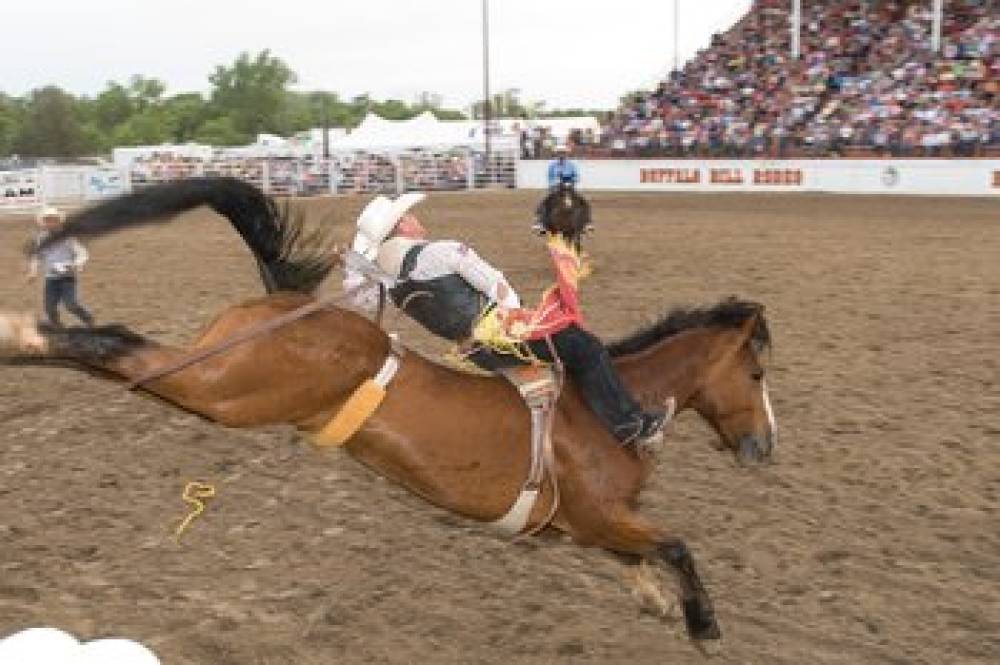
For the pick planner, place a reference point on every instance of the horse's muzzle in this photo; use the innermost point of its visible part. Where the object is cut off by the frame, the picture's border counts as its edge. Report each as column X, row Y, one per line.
column 752, row 449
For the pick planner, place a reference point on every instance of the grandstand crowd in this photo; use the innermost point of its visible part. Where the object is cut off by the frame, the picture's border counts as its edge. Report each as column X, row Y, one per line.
column 867, row 83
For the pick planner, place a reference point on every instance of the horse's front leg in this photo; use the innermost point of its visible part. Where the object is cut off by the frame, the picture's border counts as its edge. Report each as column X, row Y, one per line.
column 699, row 615
column 622, row 530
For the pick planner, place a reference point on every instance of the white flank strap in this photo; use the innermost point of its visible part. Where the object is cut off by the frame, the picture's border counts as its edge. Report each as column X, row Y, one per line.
column 516, row 518
column 389, row 369
column 391, row 364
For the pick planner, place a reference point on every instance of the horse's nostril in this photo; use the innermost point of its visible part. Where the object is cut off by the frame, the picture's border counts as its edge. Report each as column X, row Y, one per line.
column 753, row 450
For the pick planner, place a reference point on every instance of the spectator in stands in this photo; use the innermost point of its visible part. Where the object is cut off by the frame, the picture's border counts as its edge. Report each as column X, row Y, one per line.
column 60, row 263
column 866, row 79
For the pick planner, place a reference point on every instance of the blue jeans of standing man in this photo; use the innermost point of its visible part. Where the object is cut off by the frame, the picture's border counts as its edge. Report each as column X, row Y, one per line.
column 63, row 290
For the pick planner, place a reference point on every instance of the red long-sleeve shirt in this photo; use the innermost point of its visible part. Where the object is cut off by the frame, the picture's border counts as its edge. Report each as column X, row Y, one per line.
column 560, row 305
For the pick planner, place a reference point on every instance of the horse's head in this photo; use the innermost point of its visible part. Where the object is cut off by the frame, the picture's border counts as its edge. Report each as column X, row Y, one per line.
column 733, row 395
column 712, row 359
column 566, row 213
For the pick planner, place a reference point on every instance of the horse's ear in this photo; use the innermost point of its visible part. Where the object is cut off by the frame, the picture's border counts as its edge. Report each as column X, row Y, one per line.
column 750, row 326
column 755, row 314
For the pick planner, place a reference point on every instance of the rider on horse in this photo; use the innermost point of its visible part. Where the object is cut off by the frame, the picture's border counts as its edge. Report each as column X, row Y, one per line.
column 562, row 172
column 453, row 293
column 442, row 284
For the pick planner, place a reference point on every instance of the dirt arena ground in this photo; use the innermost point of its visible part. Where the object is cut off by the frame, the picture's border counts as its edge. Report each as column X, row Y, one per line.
column 874, row 538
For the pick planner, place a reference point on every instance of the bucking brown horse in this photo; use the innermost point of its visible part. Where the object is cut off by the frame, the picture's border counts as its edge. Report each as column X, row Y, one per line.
column 458, row 440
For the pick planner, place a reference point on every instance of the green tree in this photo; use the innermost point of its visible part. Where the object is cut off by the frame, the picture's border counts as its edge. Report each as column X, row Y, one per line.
column 145, row 92
column 185, row 114
column 112, row 107
column 507, row 104
column 448, row 114
column 146, row 128
column 393, row 109
column 252, row 93
column 52, row 126
column 220, row 131
column 11, row 118
column 429, row 101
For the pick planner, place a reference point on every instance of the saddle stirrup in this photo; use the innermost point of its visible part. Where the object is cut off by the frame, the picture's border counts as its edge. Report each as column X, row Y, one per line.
column 540, row 388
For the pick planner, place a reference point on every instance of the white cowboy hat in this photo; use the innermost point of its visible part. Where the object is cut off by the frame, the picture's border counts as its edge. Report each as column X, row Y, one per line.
column 48, row 212
column 379, row 218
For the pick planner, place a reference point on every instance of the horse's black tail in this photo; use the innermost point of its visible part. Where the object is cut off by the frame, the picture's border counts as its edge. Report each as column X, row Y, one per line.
column 289, row 257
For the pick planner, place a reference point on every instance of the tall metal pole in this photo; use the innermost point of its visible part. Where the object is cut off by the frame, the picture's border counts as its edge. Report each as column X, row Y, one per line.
column 936, row 29
column 796, row 28
column 326, row 126
column 487, row 103
column 677, row 32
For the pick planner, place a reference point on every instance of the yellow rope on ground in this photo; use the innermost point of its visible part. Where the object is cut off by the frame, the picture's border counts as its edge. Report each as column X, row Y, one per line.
column 195, row 494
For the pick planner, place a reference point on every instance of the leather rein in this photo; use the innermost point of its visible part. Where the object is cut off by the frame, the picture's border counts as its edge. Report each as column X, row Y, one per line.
column 248, row 334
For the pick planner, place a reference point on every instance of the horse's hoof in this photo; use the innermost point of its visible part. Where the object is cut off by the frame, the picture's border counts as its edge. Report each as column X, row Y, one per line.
column 710, row 632
column 710, row 648
column 700, row 621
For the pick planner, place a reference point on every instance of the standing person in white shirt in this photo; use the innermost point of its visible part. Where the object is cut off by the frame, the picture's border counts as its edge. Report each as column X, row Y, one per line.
column 60, row 263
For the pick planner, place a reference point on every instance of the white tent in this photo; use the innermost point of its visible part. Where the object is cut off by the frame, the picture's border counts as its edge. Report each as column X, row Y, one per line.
column 424, row 131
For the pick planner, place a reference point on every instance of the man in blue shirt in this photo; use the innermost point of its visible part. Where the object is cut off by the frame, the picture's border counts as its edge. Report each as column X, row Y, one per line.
column 560, row 170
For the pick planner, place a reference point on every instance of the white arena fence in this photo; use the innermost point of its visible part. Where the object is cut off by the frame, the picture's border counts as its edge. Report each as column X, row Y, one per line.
column 278, row 177
column 343, row 173
column 962, row 177
column 25, row 190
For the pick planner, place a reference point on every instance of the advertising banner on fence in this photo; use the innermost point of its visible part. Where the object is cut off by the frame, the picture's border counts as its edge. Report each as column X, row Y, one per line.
column 102, row 183
column 19, row 189
column 965, row 177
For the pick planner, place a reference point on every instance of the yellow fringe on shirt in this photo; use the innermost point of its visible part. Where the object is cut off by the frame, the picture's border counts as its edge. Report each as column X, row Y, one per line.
column 491, row 333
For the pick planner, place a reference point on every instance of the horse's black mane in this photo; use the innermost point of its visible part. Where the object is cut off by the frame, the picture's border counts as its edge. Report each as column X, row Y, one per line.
column 730, row 313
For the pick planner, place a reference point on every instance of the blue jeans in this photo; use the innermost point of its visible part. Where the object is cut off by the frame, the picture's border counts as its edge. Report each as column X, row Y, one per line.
column 63, row 290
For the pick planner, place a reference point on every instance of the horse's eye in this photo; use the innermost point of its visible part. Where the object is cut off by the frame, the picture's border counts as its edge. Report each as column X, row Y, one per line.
column 758, row 375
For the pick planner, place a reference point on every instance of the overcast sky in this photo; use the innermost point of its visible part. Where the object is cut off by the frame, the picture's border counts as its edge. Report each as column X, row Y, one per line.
column 570, row 53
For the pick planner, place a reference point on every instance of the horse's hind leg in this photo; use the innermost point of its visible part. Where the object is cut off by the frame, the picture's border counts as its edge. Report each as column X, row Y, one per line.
column 627, row 532
column 112, row 349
